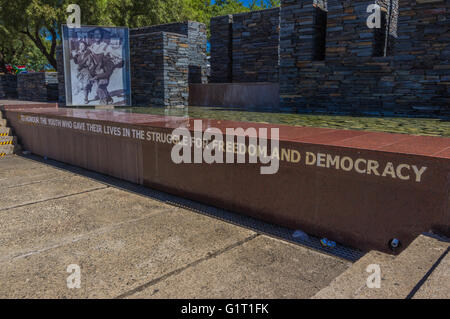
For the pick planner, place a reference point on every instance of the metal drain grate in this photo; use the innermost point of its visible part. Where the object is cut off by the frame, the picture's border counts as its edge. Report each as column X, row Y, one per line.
column 256, row 225
column 259, row 226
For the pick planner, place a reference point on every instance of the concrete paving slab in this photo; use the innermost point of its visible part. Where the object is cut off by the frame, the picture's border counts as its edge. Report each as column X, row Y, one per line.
column 53, row 223
column 438, row 284
column 128, row 244
column 116, row 259
column 32, row 193
column 21, row 176
column 16, row 162
column 350, row 283
column 260, row 268
column 400, row 275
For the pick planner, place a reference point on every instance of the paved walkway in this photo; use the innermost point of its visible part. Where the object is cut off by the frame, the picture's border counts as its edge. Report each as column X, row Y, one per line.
column 131, row 246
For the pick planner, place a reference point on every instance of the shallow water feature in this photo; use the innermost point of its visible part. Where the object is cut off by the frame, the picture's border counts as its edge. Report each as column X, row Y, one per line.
column 415, row 126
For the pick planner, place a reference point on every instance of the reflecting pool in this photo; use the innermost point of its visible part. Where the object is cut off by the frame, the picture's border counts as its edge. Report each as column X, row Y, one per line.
column 416, row 126
column 405, row 125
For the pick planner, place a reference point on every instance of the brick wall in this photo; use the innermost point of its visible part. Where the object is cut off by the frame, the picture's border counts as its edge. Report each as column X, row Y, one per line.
column 159, row 69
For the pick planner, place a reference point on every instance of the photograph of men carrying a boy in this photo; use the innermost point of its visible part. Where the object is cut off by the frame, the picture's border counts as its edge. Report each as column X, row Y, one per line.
column 96, row 66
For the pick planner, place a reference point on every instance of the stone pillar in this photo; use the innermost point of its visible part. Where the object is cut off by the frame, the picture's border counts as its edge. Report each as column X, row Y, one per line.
column 176, row 70
column 221, row 49
column 348, row 41
column 348, row 35
column 296, row 47
column 422, row 57
column 197, row 52
column 196, row 34
column 255, row 46
column 61, row 80
column 159, row 69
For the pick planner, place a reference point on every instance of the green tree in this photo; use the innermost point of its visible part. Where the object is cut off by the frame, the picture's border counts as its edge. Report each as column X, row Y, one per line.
column 16, row 49
column 138, row 13
column 10, row 47
column 40, row 20
column 223, row 7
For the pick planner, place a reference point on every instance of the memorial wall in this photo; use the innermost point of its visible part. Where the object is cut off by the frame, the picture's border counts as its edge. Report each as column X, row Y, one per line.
column 361, row 189
column 164, row 60
column 160, row 66
column 328, row 59
column 96, row 65
column 323, row 56
column 196, row 35
column 412, row 80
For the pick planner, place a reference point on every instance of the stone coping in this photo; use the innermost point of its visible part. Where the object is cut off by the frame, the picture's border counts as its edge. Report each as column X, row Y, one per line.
column 431, row 146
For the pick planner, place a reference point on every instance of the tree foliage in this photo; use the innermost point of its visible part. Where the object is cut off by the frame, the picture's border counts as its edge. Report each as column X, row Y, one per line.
column 17, row 49
column 30, row 29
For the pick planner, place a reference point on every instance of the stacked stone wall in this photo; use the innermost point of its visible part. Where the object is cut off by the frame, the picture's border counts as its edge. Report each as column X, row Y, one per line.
column 412, row 80
column 8, row 86
column 39, row 86
column 245, row 47
column 159, row 72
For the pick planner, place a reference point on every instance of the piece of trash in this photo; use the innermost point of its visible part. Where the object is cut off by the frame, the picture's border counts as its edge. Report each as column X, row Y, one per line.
column 300, row 234
column 327, row 243
column 45, row 158
column 394, row 243
column 26, row 152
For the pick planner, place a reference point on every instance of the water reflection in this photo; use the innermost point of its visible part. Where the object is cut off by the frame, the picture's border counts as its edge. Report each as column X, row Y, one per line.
column 416, row 126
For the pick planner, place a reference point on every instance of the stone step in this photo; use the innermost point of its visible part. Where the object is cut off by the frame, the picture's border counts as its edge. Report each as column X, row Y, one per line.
column 4, row 140
column 7, row 149
column 8, row 139
column 5, row 131
column 399, row 275
column 351, row 282
column 437, row 286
